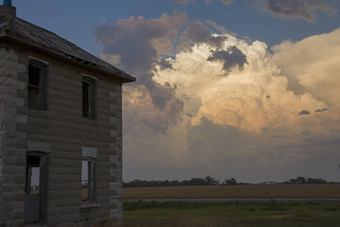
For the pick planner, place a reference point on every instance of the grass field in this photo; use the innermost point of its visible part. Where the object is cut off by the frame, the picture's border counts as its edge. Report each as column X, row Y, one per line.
column 236, row 212
column 270, row 213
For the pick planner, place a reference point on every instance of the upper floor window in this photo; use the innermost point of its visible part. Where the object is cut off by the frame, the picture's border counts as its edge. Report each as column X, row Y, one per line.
column 89, row 101
column 37, row 85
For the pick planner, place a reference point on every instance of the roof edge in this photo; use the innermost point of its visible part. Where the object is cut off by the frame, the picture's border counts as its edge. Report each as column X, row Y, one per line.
column 126, row 78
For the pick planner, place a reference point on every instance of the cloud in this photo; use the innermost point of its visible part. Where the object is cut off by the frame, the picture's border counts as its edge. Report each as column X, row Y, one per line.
column 304, row 112
column 275, row 110
column 252, row 119
column 231, row 58
column 135, row 44
column 319, row 111
column 138, row 41
column 303, row 9
column 164, row 64
column 312, row 65
column 252, row 98
column 197, row 32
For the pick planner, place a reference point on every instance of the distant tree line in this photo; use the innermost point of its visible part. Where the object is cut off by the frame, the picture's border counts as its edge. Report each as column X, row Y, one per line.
column 213, row 181
column 302, row 180
column 194, row 181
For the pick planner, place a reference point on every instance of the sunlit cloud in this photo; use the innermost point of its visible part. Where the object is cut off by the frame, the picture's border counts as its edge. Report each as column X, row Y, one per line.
column 207, row 101
column 312, row 65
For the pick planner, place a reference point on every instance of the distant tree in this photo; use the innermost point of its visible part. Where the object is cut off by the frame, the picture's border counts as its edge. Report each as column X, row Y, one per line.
column 230, row 181
column 300, row 180
column 211, row 181
column 316, row 181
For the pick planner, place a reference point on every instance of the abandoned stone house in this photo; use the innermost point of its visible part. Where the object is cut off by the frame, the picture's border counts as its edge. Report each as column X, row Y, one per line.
column 60, row 129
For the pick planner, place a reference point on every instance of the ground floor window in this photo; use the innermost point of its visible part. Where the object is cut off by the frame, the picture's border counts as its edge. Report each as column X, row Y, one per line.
column 88, row 180
column 35, row 188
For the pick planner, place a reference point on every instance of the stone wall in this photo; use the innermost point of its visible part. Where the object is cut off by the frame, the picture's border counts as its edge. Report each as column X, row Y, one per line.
column 13, row 159
column 62, row 133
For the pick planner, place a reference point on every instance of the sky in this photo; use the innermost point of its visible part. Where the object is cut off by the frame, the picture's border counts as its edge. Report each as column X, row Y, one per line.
column 247, row 89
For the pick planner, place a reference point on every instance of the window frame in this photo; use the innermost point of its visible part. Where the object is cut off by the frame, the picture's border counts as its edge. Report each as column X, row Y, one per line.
column 89, row 100
column 41, row 103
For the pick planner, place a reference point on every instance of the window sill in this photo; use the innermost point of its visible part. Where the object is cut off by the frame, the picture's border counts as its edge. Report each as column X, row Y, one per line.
column 85, row 205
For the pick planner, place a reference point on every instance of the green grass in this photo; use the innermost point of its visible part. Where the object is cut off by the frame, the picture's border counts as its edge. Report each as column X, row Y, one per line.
column 266, row 213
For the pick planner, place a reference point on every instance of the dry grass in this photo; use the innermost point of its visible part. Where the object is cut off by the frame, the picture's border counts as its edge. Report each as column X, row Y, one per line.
column 323, row 191
column 232, row 213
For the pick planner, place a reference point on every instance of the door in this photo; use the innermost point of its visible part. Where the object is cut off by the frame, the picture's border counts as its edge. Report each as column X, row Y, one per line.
column 35, row 197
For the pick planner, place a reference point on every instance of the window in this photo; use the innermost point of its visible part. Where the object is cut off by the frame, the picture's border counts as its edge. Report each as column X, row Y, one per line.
column 89, row 97
column 36, row 85
column 35, row 188
column 87, row 180
column 33, row 175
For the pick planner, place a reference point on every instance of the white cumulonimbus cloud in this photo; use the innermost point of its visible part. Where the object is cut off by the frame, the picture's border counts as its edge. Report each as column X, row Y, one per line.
column 252, row 98
column 209, row 103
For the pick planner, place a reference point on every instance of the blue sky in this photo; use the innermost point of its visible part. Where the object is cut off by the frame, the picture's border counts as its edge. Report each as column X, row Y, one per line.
column 242, row 17
column 226, row 88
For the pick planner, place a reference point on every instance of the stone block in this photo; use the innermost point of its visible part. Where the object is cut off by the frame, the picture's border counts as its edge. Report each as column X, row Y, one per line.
column 114, row 213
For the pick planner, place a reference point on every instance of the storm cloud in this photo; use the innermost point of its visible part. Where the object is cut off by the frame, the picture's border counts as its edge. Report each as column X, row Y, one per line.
column 135, row 44
column 231, row 58
column 303, row 9
column 184, row 118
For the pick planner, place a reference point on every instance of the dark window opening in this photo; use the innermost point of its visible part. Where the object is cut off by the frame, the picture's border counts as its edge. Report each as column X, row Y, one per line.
column 36, row 86
column 88, row 98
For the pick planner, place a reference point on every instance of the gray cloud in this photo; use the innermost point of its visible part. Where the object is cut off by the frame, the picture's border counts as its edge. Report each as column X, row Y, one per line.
column 320, row 110
column 197, row 32
column 233, row 57
column 304, row 112
column 303, row 9
column 164, row 64
column 132, row 40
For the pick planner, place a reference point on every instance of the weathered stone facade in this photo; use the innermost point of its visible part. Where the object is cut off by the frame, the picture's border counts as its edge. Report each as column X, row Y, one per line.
column 63, row 136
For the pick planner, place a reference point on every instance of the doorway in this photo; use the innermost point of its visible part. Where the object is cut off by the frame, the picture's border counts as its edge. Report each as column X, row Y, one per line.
column 35, row 189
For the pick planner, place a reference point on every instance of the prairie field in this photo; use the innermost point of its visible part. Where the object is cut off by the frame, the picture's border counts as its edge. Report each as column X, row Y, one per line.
column 271, row 191
column 144, row 206
column 139, row 209
column 233, row 213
